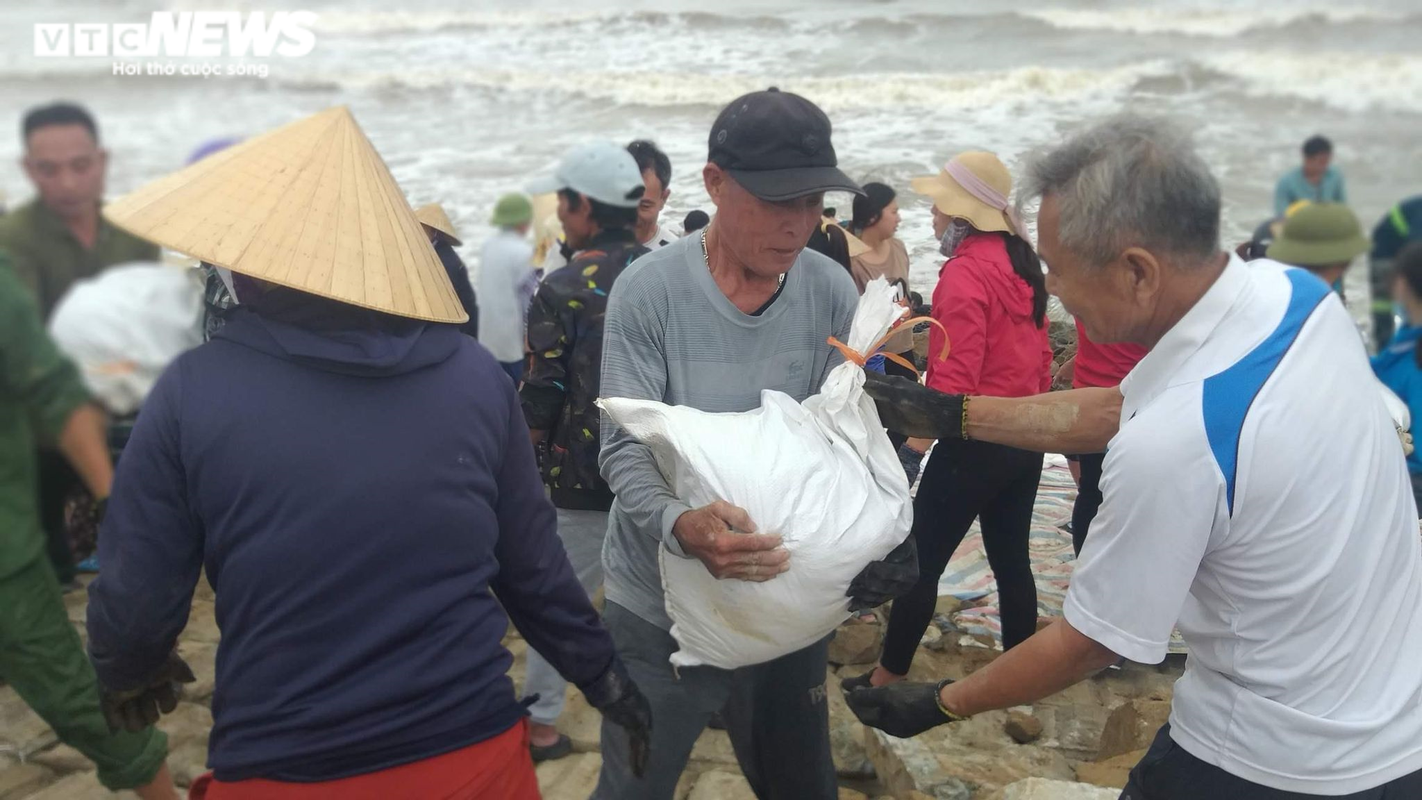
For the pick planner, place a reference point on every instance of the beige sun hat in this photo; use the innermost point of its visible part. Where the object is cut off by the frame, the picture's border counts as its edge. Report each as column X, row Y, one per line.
column 432, row 215
column 854, row 244
column 310, row 206
column 973, row 186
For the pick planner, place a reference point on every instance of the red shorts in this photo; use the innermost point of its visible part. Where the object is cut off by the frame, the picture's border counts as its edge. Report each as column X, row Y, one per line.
column 495, row 768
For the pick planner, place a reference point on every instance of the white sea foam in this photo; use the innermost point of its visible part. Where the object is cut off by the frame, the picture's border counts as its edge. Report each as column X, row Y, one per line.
column 1202, row 20
column 834, row 93
column 1346, row 81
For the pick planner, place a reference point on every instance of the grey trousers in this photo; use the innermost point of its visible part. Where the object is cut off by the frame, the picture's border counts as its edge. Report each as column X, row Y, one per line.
column 776, row 715
column 582, row 533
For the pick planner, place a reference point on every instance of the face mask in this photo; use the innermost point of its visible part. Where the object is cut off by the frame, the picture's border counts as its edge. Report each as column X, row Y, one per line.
column 954, row 236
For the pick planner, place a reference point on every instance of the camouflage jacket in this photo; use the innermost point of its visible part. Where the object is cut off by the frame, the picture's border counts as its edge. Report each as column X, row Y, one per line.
column 564, row 372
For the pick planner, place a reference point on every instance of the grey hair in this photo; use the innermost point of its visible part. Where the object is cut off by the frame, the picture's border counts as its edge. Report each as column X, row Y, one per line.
column 1130, row 181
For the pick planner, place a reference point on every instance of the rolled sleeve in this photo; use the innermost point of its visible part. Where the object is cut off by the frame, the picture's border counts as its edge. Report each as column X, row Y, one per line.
column 1163, row 496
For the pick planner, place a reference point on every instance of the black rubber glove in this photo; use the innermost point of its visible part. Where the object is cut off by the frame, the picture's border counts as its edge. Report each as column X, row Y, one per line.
column 623, row 704
column 901, row 709
column 914, row 410
column 911, row 460
column 137, row 709
column 882, row 581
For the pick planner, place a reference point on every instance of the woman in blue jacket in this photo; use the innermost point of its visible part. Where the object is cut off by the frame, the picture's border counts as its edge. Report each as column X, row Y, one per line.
column 356, row 479
column 1399, row 365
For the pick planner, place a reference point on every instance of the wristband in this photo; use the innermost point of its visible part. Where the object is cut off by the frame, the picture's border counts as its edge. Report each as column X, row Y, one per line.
column 938, row 698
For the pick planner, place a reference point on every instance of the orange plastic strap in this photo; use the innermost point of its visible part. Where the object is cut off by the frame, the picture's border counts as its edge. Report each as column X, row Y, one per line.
column 853, row 355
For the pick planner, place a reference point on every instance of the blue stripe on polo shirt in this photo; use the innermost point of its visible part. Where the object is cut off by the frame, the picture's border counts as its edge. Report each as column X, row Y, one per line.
column 1228, row 395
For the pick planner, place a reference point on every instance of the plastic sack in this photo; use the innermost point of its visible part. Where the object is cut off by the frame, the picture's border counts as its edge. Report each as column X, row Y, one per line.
column 821, row 474
column 123, row 327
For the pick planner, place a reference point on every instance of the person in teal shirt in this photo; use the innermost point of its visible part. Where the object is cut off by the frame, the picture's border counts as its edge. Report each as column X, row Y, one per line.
column 1316, row 180
column 1399, row 365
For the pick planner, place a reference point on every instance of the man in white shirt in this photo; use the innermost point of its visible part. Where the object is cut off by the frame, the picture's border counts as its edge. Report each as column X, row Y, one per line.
column 656, row 176
column 507, row 280
column 1256, row 496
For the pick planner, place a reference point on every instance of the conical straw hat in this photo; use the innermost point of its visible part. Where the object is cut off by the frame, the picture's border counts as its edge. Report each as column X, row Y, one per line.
column 432, row 215
column 310, row 206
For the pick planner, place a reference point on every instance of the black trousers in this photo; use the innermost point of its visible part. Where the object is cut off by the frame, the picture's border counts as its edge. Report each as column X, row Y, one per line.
column 1088, row 498
column 962, row 482
column 56, row 480
column 1167, row 772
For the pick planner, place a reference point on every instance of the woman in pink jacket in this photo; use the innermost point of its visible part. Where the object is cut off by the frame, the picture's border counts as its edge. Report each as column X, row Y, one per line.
column 992, row 300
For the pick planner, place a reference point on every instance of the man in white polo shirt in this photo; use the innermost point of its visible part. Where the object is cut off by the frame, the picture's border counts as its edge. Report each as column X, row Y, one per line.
column 1256, row 496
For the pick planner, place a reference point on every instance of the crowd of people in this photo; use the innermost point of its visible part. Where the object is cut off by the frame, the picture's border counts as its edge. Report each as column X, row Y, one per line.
column 379, row 463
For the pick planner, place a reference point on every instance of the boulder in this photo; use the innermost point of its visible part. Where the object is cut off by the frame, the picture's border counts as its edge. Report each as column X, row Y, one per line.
column 960, row 761
column 79, row 786
column 571, row 778
column 1043, row 789
column 23, row 780
column 718, row 785
column 846, row 736
column 1112, row 772
column 1022, row 727
column 856, row 643
column 1132, row 726
column 22, row 732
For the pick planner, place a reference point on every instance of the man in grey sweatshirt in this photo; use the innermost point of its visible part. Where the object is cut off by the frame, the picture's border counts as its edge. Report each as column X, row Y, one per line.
column 711, row 321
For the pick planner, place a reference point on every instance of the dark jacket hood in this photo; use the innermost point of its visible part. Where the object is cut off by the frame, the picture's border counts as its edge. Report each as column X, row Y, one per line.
column 333, row 337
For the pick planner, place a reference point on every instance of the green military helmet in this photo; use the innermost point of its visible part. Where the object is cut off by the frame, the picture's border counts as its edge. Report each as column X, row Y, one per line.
column 1319, row 235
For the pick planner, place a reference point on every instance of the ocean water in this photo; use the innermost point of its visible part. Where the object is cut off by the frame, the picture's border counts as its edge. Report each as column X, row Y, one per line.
column 467, row 100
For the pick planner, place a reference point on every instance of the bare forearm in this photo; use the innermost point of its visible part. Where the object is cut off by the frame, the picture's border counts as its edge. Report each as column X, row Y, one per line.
column 1077, row 421
column 1045, row 664
column 84, row 443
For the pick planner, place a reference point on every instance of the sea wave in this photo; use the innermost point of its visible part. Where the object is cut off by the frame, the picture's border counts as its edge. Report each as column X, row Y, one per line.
column 834, row 93
column 1345, row 81
column 1204, row 21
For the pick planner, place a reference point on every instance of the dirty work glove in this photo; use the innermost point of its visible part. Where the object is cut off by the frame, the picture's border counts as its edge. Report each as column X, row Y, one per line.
column 882, row 581
column 901, row 709
column 911, row 460
column 623, row 704
column 137, row 709
column 912, row 409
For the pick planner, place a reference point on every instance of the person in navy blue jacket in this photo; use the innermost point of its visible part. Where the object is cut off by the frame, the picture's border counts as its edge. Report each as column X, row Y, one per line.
column 360, row 487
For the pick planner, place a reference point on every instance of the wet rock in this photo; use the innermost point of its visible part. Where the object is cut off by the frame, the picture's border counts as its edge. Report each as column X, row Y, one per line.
column 22, row 732
column 22, row 780
column 571, row 778
column 1132, row 726
column 63, row 759
column 960, row 761
column 846, row 793
column 1023, row 728
column 1043, row 789
column 202, row 624
column 202, row 657
column 80, row 786
column 932, row 638
column 715, row 747
column 846, row 736
column 856, row 643
column 1074, row 729
column 718, row 785
column 1112, row 772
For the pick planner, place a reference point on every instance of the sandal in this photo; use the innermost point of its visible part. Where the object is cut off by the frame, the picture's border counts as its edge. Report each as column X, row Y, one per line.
column 559, row 749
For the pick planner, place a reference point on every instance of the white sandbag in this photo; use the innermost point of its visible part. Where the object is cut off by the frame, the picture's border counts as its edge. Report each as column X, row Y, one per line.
column 123, row 327
column 821, row 474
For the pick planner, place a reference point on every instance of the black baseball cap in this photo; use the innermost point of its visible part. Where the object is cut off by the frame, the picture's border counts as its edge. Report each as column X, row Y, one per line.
column 777, row 145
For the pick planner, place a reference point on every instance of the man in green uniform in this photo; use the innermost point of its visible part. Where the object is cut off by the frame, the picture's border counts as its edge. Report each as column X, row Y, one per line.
column 54, row 240
column 43, row 400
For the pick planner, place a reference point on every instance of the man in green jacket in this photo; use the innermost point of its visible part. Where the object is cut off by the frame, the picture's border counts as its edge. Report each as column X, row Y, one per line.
column 43, row 400
column 58, row 238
